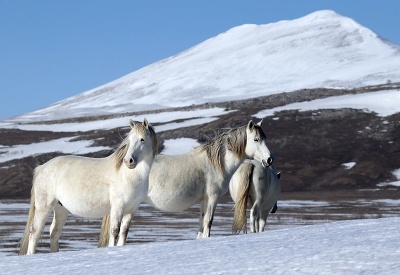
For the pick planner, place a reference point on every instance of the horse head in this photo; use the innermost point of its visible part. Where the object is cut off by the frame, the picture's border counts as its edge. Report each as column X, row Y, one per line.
column 141, row 143
column 256, row 145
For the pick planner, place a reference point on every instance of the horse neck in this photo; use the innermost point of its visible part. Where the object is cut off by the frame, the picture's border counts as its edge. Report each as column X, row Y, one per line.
column 147, row 161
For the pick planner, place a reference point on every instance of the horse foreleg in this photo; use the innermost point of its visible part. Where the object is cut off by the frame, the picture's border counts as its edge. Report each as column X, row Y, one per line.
column 36, row 228
column 59, row 219
column 209, row 216
column 124, row 229
column 201, row 219
column 115, row 225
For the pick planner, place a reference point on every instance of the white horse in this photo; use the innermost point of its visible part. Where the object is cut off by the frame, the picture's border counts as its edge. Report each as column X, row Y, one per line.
column 92, row 187
column 202, row 175
column 258, row 187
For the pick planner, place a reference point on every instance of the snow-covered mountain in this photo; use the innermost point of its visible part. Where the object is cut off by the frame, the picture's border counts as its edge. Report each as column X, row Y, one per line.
column 322, row 49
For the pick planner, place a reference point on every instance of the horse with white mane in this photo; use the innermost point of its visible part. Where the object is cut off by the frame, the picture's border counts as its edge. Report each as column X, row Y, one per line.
column 202, row 175
column 257, row 187
column 92, row 187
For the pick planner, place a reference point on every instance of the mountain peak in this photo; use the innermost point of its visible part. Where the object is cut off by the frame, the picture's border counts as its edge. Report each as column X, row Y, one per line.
column 322, row 14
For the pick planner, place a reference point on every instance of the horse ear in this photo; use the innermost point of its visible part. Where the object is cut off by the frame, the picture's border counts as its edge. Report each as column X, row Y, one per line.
column 132, row 123
column 146, row 123
column 250, row 125
column 260, row 123
column 278, row 175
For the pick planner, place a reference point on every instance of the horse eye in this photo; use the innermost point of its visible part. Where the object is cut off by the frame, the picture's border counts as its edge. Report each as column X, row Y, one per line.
column 142, row 139
column 256, row 140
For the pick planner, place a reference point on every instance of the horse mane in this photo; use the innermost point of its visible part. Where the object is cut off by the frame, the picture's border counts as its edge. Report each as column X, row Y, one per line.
column 233, row 140
column 154, row 140
column 121, row 150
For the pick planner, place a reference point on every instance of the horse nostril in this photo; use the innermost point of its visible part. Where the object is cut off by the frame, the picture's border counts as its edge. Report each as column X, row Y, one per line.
column 264, row 163
column 270, row 160
column 131, row 160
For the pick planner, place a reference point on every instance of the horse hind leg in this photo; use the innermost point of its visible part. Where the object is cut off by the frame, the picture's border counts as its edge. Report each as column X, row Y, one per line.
column 104, row 232
column 36, row 228
column 23, row 249
column 254, row 218
column 59, row 219
column 263, row 220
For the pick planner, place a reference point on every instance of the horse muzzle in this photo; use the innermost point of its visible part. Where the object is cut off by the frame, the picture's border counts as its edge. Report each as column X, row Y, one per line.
column 267, row 163
column 130, row 163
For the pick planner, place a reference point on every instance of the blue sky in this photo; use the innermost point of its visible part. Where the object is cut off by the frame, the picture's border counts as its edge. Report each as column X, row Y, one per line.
column 51, row 50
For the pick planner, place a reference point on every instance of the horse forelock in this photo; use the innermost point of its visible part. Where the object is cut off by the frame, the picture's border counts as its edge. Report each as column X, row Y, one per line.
column 259, row 133
column 122, row 149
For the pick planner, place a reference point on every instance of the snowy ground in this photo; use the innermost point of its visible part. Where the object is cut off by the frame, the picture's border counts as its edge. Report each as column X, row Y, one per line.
column 349, row 247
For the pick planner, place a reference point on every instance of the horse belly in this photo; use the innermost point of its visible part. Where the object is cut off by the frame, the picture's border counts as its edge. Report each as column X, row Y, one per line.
column 172, row 204
column 89, row 212
column 91, row 201
column 171, row 197
column 272, row 197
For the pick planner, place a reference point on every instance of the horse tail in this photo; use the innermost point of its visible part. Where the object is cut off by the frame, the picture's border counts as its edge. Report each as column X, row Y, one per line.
column 105, row 232
column 239, row 218
column 23, row 248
